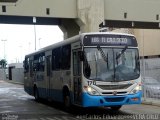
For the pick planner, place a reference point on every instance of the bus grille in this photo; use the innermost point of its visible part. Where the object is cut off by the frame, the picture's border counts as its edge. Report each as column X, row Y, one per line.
column 118, row 99
column 114, row 87
column 111, row 93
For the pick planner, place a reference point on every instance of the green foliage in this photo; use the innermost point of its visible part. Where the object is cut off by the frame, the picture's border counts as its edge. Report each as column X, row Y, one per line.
column 3, row 63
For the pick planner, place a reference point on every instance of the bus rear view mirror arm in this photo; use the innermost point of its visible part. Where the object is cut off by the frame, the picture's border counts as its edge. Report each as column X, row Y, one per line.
column 81, row 55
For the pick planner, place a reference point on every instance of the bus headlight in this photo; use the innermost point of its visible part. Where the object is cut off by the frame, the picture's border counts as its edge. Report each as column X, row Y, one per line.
column 136, row 89
column 91, row 90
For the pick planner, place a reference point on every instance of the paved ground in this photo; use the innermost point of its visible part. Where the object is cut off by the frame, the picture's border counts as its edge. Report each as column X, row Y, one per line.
column 15, row 104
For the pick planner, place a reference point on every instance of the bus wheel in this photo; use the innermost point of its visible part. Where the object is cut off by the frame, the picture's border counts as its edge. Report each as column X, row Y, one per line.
column 36, row 94
column 67, row 102
column 116, row 108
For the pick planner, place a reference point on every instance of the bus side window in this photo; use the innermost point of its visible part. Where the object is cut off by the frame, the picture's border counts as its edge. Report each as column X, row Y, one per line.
column 31, row 67
column 41, row 61
column 66, row 57
column 56, row 58
column 26, row 65
column 35, row 63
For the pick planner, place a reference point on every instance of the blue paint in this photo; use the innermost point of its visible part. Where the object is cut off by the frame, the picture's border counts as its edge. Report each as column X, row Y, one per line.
column 88, row 100
column 95, row 101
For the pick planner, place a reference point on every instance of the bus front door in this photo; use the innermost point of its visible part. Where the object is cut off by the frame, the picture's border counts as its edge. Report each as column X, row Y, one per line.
column 77, row 77
column 48, row 65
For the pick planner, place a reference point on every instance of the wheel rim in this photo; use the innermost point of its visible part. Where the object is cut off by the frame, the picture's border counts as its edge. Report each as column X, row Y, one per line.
column 67, row 101
column 36, row 94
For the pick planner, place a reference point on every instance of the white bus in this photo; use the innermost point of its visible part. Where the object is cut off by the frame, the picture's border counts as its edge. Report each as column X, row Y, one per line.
column 88, row 70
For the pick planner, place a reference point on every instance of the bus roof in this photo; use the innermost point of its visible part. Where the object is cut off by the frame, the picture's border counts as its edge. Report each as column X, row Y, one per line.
column 64, row 42
column 111, row 33
column 74, row 39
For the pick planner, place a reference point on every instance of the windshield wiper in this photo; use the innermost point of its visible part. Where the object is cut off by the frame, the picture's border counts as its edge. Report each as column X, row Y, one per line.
column 105, row 58
column 95, row 63
column 122, row 52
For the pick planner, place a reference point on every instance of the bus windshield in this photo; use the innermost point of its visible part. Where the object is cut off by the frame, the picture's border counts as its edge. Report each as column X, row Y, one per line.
column 111, row 64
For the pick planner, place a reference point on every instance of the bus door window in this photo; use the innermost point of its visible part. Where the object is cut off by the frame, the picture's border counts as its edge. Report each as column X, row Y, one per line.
column 56, row 58
column 48, row 59
column 48, row 71
column 26, row 65
column 77, row 76
column 76, row 64
column 31, row 68
column 31, row 78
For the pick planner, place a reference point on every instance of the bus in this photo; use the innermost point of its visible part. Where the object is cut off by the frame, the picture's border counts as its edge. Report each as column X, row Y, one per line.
column 87, row 70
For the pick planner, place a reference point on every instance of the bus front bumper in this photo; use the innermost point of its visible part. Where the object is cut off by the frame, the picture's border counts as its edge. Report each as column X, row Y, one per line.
column 95, row 101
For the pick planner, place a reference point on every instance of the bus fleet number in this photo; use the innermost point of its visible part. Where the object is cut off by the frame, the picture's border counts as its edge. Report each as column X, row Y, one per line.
column 91, row 83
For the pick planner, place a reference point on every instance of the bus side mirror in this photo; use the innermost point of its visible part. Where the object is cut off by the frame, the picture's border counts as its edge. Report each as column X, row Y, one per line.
column 87, row 70
column 81, row 55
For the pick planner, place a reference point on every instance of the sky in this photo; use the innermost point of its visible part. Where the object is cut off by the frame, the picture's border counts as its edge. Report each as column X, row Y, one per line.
column 18, row 40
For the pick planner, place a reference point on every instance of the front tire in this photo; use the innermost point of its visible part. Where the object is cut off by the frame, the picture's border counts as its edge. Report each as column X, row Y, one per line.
column 36, row 94
column 66, row 100
column 67, row 103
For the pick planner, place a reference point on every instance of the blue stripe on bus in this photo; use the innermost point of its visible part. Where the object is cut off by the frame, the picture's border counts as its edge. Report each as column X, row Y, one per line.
column 95, row 101
column 89, row 100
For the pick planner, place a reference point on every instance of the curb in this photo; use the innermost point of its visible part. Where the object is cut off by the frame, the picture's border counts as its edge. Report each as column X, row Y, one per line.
column 14, row 82
column 154, row 103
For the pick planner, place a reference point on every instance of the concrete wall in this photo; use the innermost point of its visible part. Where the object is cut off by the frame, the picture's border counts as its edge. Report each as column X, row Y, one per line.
column 137, row 10
column 148, row 40
column 111, row 9
column 2, row 75
column 16, row 65
column 18, row 75
column 90, row 14
column 37, row 8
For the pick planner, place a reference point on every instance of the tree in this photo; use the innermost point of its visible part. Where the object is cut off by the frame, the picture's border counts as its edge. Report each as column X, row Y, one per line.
column 3, row 63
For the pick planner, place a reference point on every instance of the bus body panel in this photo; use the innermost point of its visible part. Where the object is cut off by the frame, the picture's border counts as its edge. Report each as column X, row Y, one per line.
column 51, row 81
column 95, row 101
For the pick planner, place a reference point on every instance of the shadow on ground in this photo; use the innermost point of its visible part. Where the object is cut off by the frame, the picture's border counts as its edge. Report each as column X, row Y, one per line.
column 75, row 110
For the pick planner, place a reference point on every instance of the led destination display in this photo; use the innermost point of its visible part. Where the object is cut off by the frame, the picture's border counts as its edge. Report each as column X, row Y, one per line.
column 109, row 40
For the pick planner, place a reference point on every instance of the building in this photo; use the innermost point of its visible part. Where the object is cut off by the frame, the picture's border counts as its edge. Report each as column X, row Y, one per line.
column 16, row 72
column 148, row 41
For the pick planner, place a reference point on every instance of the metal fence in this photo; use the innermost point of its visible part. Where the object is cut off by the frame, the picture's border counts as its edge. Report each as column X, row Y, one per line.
column 150, row 71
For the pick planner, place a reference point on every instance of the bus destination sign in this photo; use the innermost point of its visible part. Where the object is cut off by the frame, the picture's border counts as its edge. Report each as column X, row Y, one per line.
column 106, row 40
column 110, row 40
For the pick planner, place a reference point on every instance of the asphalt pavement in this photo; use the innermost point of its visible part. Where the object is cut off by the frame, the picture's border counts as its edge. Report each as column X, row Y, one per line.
column 15, row 104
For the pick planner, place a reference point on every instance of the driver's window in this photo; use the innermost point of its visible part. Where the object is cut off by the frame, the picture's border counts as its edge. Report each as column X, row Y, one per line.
column 130, row 59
